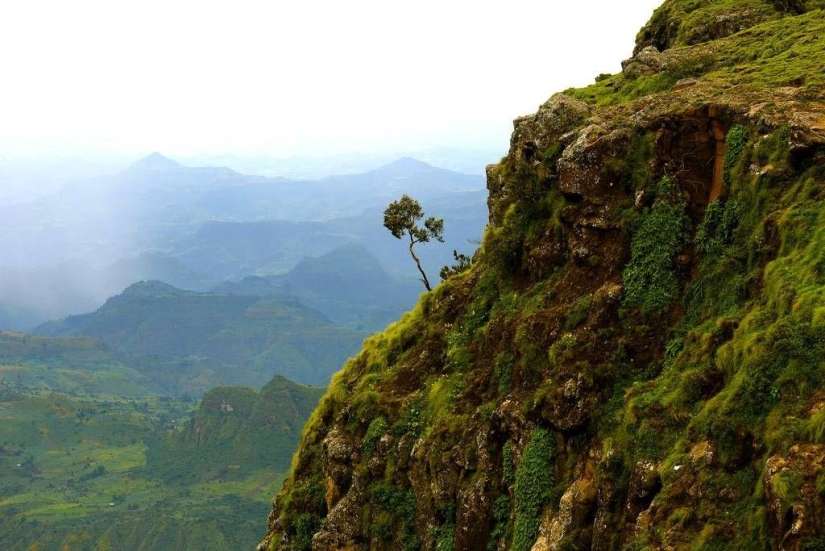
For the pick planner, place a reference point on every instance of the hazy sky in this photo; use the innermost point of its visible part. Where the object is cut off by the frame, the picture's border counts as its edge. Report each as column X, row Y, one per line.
column 293, row 77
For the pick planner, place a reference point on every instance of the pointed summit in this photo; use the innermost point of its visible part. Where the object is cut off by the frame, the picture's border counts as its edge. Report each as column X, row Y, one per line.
column 155, row 162
column 406, row 165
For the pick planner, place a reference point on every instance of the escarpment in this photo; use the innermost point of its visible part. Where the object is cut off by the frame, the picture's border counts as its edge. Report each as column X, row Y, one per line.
column 635, row 358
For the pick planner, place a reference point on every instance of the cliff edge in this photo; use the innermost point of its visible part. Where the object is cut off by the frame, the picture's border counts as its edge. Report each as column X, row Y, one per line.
column 634, row 360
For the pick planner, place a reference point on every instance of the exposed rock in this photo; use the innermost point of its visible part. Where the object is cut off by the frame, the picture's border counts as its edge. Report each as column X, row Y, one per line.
column 575, row 509
column 790, row 6
column 342, row 531
column 724, row 25
column 807, row 133
column 569, row 406
column 581, row 164
column 533, row 134
column 508, row 419
column 608, row 499
column 643, row 486
column 340, row 454
column 648, row 61
column 548, row 253
column 605, row 302
column 683, row 83
column 703, row 453
column 795, row 509
column 378, row 460
column 473, row 512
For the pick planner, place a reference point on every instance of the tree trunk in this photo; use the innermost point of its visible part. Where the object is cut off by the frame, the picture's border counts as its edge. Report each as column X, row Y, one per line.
column 418, row 263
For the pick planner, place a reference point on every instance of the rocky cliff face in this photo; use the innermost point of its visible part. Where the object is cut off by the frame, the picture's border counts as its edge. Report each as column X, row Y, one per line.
column 635, row 358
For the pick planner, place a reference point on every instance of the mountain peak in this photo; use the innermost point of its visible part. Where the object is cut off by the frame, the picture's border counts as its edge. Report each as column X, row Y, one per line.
column 150, row 288
column 155, row 162
column 406, row 165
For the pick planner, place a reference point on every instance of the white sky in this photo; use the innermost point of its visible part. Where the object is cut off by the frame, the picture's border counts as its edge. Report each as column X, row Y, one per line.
column 293, row 77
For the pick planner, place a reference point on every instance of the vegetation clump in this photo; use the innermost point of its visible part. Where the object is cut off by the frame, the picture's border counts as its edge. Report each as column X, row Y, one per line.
column 376, row 430
column 649, row 278
column 534, row 481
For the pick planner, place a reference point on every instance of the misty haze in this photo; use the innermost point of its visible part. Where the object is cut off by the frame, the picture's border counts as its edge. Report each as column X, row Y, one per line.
column 430, row 276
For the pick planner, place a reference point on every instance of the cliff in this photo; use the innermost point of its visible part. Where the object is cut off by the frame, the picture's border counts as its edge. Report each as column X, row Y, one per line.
column 635, row 358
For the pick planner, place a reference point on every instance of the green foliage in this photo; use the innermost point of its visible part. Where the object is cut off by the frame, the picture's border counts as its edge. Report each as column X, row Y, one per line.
column 562, row 349
column 735, row 142
column 234, row 426
column 75, row 366
column 508, row 471
column 552, row 153
column 401, row 218
column 401, row 507
column 718, row 224
column 446, row 538
column 410, row 420
column 578, row 313
column 504, row 371
column 305, row 527
column 776, row 51
column 502, row 528
column 816, row 543
column 462, row 264
column 731, row 372
column 378, row 427
column 773, row 149
column 504, row 246
column 638, row 162
column 535, row 477
column 649, row 278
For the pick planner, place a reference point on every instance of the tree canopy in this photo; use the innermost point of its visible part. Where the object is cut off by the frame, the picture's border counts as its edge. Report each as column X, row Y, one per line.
column 401, row 218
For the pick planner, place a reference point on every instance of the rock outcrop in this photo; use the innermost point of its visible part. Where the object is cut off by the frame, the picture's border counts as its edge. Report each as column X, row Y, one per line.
column 635, row 358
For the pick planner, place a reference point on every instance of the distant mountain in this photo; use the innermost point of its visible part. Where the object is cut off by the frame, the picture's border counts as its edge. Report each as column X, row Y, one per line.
column 238, row 427
column 234, row 250
column 32, row 296
column 348, row 285
column 156, row 324
column 156, row 202
column 464, row 160
column 335, row 196
column 155, row 162
column 152, row 265
column 219, row 224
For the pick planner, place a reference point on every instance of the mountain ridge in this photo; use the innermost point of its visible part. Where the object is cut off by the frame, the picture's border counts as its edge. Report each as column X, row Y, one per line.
column 187, row 341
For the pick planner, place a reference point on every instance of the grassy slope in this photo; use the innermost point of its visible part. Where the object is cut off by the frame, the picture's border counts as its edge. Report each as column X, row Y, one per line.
column 729, row 361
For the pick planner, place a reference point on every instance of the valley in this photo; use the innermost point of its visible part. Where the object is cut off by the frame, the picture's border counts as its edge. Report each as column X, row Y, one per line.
column 109, row 472
column 164, row 410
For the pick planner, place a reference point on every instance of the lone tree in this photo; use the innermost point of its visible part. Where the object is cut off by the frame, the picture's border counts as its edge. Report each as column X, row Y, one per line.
column 401, row 218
